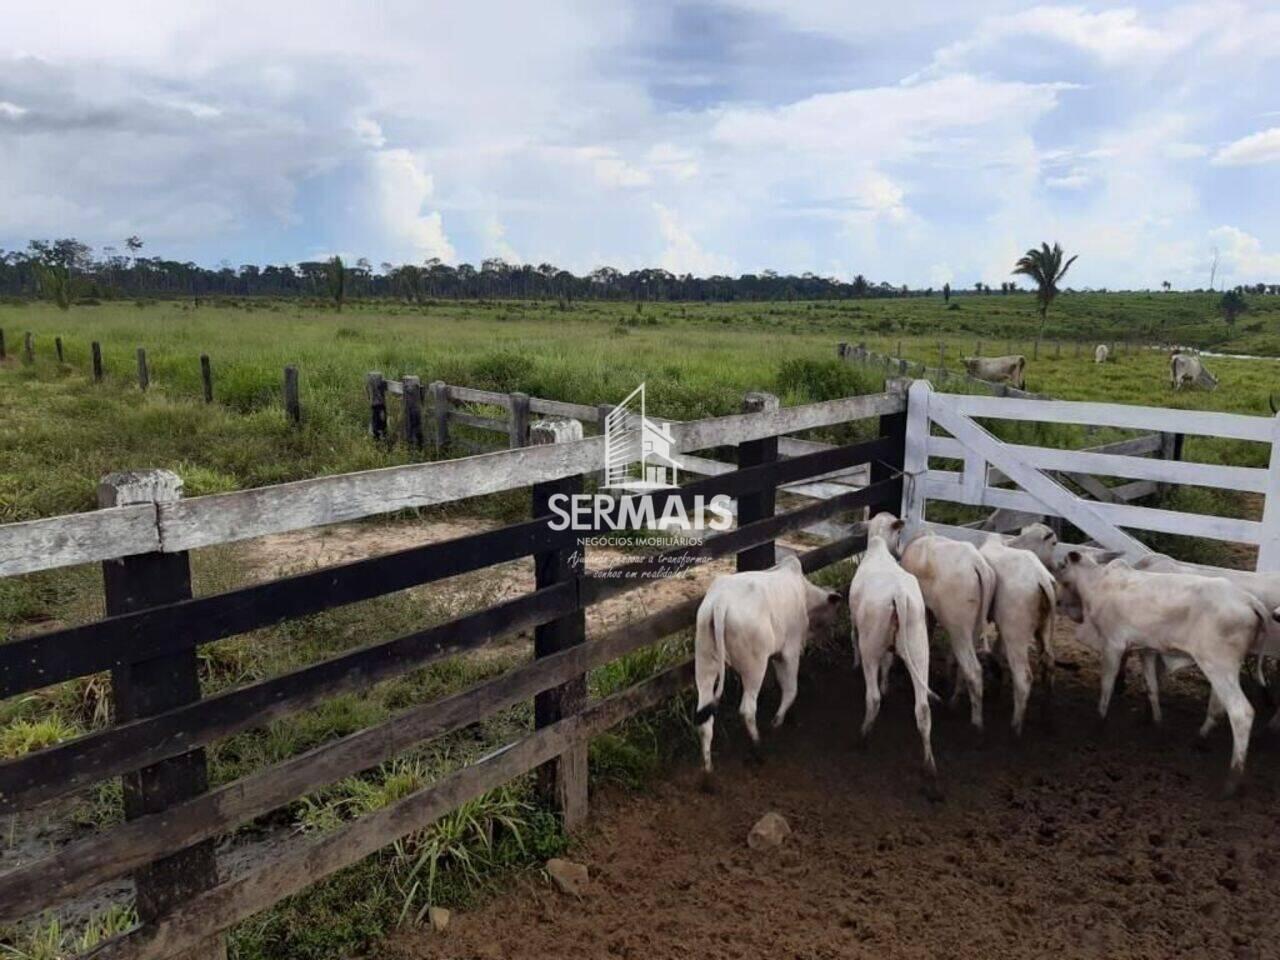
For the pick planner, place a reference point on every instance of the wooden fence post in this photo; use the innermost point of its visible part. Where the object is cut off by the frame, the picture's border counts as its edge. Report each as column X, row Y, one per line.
column 1057, row 349
column 519, row 424
column 758, row 505
column 562, row 782
column 57, row 348
column 3, row 355
column 96, row 349
column 29, row 348
column 892, row 425
column 376, row 387
column 440, row 408
column 977, row 351
column 144, row 375
column 292, row 402
column 899, row 349
column 206, row 377
column 412, row 411
column 147, row 687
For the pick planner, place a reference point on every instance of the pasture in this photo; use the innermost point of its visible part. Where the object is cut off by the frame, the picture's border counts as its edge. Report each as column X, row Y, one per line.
column 62, row 432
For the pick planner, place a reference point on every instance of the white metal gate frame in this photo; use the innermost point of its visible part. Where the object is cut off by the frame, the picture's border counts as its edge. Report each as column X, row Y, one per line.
column 1037, row 492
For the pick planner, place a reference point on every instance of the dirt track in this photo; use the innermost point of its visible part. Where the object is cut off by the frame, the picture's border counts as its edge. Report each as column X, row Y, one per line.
column 1068, row 845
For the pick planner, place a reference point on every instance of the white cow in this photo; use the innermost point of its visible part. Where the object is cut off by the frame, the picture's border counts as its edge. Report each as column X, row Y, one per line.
column 958, row 586
column 1204, row 620
column 1000, row 369
column 744, row 620
column 1023, row 612
column 1187, row 368
column 1100, row 353
column 887, row 613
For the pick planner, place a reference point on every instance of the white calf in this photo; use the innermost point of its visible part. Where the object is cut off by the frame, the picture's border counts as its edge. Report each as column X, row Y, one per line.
column 1100, row 353
column 958, row 586
column 1023, row 613
column 744, row 620
column 1206, row 620
column 887, row 614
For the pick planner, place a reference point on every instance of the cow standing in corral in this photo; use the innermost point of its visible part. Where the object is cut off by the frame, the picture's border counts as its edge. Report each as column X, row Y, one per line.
column 958, row 586
column 1009, row 370
column 1023, row 612
column 744, row 620
column 1100, row 353
column 1186, row 619
column 1188, row 368
column 887, row 615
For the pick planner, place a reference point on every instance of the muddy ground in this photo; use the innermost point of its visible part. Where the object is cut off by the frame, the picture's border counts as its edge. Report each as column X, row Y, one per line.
column 1071, row 844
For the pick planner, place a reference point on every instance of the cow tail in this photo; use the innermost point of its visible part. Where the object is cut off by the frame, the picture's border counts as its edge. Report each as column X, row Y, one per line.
column 715, row 621
column 1260, row 639
column 919, row 672
column 1047, row 624
column 986, row 598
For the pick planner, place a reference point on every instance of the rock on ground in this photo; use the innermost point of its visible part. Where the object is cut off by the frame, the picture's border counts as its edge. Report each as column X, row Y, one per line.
column 570, row 877
column 770, row 831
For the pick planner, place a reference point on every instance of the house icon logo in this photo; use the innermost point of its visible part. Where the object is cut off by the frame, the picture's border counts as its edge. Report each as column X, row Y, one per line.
column 637, row 450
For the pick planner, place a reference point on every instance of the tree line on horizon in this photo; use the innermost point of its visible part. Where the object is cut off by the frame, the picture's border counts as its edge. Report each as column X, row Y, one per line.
column 67, row 270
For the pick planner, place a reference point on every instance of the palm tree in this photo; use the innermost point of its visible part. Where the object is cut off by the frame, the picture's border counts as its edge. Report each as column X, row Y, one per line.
column 1046, row 268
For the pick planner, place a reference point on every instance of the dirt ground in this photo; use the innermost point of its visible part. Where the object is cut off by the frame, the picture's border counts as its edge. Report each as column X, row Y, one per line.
column 1075, row 843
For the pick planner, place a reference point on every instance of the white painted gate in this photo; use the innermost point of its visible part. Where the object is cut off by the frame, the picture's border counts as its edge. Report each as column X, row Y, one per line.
column 1037, row 492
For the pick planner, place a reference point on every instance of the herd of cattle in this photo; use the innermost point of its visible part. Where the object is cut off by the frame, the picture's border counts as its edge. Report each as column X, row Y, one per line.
column 1184, row 368
column 1171, row 614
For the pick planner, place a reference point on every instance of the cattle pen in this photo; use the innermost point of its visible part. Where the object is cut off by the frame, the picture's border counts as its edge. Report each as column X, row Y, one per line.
column 144, row 531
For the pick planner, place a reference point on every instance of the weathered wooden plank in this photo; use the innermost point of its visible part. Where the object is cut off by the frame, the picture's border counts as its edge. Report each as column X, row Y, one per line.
column 1045, row 490
column 36, row 777
column 206, row 377
column 915, row 456
column 82, row 865
column 304, row 860
column 1096, row 463
column 95, row 349
column 77, row 538
column 69, row 765
column 145, row 686
column 478, row 422
column 226, row 518
column 1208, row 423
column 558, row 408
column 28, row 663
column 945, row 485
column 472, row 395
column 762, row 503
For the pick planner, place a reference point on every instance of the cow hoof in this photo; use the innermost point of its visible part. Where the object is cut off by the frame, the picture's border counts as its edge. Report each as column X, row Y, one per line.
column 1200, row 744
column 932, row 792
column 707, row 783
column 1234, row 787
column 755, row 756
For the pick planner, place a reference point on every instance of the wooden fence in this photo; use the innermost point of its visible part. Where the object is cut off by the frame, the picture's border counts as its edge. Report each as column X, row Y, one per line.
column 155, row 627
column 292, row 397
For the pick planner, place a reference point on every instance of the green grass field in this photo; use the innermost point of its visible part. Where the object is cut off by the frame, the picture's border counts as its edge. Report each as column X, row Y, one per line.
column 62, row 432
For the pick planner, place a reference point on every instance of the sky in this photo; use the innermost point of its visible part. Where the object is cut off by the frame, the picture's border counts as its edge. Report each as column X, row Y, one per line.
column 916, row 143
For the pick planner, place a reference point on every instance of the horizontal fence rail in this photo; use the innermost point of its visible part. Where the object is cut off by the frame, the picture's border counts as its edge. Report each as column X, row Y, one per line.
column 182, row 909
column 229, row 517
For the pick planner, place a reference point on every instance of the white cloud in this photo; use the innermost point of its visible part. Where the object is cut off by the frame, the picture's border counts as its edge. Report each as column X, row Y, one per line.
column 8, row 109
column 1242, row 258
column 496, row 241
column 1077, row 178
column 682, row 253
column 1261, row 147
column 401, row 190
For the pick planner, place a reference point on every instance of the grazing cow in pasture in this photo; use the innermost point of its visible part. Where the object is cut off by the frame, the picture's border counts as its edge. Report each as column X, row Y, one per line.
column 1187, row 368
column 958, row 586
column 887, row 613
column 1023, row 613
column 1009, row 370
column 1100, row 353
column 744, row 620
column 1184, row 618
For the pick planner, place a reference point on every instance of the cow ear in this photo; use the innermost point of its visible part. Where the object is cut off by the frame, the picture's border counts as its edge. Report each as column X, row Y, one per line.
column 898, row 524
column 1073, row 556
